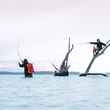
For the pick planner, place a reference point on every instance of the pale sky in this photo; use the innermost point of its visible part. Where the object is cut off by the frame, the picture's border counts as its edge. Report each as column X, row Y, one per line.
column 39, row 30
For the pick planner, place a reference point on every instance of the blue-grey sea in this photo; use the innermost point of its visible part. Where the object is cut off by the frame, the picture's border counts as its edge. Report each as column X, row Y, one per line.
column 47, row 92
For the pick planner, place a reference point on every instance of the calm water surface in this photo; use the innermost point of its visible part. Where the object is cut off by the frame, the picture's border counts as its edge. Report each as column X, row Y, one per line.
column 46, row 92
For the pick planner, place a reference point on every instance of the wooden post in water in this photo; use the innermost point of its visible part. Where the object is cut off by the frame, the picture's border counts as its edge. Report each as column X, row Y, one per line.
column 64, row 65
column 90, row 64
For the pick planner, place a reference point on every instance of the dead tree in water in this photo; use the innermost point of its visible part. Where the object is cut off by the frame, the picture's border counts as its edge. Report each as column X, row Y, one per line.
column 97, row 55
column 64, row 65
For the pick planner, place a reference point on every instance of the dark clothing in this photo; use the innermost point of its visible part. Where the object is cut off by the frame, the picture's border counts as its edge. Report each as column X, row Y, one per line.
column 24, row 64
column 99, row 45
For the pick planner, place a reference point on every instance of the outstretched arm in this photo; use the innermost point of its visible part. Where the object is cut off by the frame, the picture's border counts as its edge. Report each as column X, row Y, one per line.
column 93, row 43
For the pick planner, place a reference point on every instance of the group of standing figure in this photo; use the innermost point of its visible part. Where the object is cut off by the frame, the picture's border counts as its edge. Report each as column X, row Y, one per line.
column 28, row 67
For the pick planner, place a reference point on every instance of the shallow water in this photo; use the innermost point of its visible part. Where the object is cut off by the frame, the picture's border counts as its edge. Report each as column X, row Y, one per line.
column 46, row 92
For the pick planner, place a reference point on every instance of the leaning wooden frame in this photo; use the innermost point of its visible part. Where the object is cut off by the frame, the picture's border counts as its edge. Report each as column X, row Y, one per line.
column 93, row 59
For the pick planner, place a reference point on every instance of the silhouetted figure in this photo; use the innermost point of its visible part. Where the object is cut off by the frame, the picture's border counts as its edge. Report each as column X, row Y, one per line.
column 28, row 68
column 99, row 46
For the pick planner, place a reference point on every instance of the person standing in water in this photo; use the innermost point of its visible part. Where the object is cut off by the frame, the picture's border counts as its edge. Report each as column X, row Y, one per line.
column 28, row 68
column 99, row 46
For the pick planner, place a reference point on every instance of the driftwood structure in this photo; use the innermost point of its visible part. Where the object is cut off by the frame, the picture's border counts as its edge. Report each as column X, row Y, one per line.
column 93, row 59
column 63, row 70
